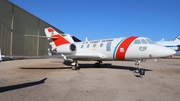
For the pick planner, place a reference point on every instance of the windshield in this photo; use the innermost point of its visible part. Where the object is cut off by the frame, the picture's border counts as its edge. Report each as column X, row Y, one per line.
column 144, row 41
column 150, row 41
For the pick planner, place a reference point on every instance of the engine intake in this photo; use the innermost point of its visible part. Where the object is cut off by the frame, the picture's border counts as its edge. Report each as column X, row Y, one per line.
column 72, row 47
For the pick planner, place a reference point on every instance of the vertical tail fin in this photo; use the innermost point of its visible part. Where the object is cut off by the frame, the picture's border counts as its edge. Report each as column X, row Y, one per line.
column 177, row 39
column 57, row 38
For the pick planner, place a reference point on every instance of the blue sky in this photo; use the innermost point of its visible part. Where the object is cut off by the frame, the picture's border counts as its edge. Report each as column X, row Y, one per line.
column 99, row 19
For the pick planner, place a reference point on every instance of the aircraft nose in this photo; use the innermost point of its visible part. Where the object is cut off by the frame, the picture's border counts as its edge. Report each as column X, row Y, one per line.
column 168, row 52
column 162, row 52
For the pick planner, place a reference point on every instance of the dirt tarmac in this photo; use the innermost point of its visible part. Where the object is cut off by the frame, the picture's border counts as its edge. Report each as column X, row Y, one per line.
column 51, row 80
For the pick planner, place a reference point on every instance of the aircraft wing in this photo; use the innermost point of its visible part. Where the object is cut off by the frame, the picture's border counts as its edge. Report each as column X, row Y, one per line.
column 85, row 57
column 65, row 57
column 78, row 57
column 12, row 57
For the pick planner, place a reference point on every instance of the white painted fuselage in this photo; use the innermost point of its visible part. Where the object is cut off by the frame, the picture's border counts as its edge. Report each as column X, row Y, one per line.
column 117, row 49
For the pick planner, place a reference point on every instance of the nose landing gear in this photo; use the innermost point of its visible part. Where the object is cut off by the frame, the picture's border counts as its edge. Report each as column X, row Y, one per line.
column 139, row 70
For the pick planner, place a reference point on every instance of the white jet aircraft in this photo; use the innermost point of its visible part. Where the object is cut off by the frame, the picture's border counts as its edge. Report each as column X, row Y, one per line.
column 114, row 49
column 174, row 44
column 131, row 48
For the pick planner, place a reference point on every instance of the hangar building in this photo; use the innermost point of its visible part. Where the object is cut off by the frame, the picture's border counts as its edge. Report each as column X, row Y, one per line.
column 14, row 24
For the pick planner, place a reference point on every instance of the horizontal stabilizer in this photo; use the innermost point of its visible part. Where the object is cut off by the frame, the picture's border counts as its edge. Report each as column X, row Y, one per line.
column 41, row 36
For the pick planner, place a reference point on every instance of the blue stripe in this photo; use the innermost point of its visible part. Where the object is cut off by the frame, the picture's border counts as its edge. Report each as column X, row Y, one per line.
column 114, row 53
column 171, row 46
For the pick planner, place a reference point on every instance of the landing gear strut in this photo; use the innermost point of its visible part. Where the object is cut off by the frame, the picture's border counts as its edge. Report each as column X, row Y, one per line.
column 138, row 65
column 75, row 65
column 98, row 64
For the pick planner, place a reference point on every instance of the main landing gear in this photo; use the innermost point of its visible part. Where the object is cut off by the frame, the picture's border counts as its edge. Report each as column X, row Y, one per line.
column 98, row 64
column 75, row 65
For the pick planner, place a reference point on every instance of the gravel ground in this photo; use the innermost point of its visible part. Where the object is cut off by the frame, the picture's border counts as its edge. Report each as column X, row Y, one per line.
column 51, row 80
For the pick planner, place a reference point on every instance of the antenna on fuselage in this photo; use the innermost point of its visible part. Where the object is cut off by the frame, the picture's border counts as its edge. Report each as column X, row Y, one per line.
column 86, row 39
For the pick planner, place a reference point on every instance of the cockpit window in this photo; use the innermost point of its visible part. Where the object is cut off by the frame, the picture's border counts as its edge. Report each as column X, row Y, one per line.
column 143, row 41
column 150, row 41
column 137, row 42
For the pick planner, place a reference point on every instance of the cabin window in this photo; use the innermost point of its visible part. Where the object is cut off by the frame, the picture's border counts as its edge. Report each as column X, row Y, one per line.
column 108, row 46
column 137, row 42
column 88, row 46
column 82, row 46
column 143, row 41
column 94, row 45
column 101, row 44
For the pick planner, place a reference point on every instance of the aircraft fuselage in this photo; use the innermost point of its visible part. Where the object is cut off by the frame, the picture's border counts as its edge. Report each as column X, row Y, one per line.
column 116, row 49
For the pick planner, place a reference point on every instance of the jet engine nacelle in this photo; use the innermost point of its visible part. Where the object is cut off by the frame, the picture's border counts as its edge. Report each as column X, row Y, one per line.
column 66, row 49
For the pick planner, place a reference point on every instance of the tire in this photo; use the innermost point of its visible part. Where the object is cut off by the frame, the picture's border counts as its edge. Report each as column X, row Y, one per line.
column 75, row 67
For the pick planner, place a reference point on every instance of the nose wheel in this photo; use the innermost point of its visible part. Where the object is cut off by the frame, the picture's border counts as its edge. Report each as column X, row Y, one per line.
column 138, row 65
column 139, row 70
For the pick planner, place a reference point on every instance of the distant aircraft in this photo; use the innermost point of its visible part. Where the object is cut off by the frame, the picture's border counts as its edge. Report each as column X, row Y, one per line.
column 174, row 44
column 114, row 49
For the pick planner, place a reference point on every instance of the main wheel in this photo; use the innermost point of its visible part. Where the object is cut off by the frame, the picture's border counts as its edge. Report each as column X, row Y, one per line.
column 75, row 67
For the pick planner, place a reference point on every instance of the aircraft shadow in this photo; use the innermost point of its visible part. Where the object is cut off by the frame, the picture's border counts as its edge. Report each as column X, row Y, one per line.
column 19, row 86
column 105, row 65
column 112, row 67
column 48, row 68
column 68, row 66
